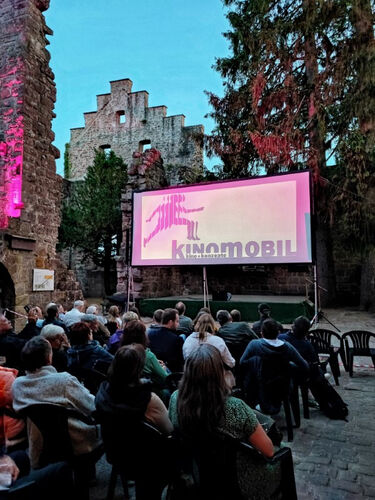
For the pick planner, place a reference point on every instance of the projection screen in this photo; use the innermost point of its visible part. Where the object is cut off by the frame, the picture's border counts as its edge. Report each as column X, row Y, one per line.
column 264, row 220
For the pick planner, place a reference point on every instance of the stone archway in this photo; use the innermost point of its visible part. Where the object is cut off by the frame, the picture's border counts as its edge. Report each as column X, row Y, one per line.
column 7, row 292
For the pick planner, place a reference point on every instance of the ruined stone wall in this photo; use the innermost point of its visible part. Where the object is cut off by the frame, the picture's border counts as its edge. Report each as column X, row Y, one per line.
column 28, row 95
column 125, row 123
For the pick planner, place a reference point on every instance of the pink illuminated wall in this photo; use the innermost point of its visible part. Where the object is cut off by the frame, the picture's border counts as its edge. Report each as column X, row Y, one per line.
column 265, row 220
column 11, row 145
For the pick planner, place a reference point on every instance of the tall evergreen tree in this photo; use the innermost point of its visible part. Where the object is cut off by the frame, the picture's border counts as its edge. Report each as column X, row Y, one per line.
column 91, row 216
column 293, row 88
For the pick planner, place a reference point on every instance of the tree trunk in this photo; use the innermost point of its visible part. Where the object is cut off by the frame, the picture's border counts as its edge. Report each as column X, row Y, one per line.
column 317, row 161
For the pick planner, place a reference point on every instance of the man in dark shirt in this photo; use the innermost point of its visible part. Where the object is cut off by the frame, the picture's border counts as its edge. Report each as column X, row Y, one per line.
column 10, row 345
column 165, row 342
column 185, row 323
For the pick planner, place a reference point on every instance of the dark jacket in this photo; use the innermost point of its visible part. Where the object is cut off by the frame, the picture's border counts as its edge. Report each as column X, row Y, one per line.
column 236, row 335
column 10, row 347
column 186, row 325
column 56, row 322
column 167, row 346
column 81, row 358
column 303, row 346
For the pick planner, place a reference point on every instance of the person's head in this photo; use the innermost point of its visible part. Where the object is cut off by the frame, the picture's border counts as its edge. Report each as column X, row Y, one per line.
column 52, row 312
column 134, row 333
column 236, row 315
column 55, row 335
column 129, row 316
column 180, row 308
column 92, row 321
column 79, row 304
column 203, row 391
column 270, row 329
column 301, row 327
column 114, row 311
column 37, row 310
column 204, row 325
column 170, row 319
column 5, row 324
column 156, row 318
column 93, row 309
column 36, row 353
column 264, row 310
column 135, row 310
column 223, row 317
column 127, row 367
column 80, row 333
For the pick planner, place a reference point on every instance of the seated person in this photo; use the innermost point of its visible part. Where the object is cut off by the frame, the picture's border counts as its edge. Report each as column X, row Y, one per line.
column 31, row 329
column 264, row 311
column 297, row 338
column 122, row 403
column 56, row 336
column 205, row 333
column 19, row 483
column 114, row 341
column 13, row 428
column 43, row 384
column 185, row 325
column 99, row 331
column 236, row 335
column 268, row 359
column 10, row 344
column 52, row 317
column 165, row 343
column 156, row 321
column 85, row 353
column 156, row 371
column 235, row 315
column 203, row 407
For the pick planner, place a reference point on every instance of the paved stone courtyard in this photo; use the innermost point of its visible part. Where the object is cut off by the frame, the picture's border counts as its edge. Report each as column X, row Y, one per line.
column 334, row 460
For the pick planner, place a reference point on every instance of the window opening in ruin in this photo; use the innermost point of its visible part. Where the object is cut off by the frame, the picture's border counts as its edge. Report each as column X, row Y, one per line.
column 144, row 145
column 121, row 118
column 106, row 148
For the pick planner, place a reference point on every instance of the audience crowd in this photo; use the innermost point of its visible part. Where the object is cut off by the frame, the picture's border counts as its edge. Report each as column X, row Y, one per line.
column 111, row 372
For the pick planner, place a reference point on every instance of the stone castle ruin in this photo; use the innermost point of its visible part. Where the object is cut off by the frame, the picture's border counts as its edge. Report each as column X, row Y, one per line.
column 126, row 124
column 30, row 190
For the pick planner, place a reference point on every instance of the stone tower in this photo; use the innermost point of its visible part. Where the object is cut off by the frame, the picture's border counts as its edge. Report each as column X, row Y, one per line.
column 126, row 124
column 30, row 190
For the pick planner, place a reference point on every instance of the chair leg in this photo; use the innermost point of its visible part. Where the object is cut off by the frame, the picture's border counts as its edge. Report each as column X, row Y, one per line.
column 288, row 418
column 294, row 403
column 112, row 484
column 350, row 364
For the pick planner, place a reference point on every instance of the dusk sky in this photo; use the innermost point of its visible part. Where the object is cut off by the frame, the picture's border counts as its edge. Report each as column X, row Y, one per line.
column 166, row 47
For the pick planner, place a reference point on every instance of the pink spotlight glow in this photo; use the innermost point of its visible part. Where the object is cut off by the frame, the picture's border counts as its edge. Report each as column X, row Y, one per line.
column 11, row 149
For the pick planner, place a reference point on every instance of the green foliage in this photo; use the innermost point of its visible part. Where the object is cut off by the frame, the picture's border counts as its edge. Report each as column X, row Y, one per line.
column 91, row 216
column 67, row 162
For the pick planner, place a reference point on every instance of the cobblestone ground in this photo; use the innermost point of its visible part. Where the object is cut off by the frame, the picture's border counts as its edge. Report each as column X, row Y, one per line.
column 334, row 460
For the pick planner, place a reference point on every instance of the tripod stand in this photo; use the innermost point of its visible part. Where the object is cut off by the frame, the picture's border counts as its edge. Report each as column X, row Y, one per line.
column 318, row 313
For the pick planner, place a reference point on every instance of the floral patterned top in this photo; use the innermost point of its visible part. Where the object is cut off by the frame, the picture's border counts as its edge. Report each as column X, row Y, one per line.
column 256, row 479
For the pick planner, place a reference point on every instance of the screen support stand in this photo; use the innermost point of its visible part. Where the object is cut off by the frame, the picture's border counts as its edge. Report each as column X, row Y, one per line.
column 318, row 313
column 130, row 287
column 206, row 302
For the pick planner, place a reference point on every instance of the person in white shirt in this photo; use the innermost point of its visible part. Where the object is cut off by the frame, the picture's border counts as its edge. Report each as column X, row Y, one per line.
column 205, row 332
column 75, row 314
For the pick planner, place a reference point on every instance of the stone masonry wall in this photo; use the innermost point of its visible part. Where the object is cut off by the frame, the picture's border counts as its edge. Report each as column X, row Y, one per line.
column 24, row 62
column 125, row 123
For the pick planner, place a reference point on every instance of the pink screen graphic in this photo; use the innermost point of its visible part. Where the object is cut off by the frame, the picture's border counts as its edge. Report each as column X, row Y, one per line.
column 255, row 221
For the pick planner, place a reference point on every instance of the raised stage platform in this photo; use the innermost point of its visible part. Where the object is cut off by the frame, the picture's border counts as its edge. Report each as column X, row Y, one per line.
column 284, row 308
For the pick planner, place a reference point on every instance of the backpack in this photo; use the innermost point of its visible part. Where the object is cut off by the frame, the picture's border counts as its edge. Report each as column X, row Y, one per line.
column 329, row 400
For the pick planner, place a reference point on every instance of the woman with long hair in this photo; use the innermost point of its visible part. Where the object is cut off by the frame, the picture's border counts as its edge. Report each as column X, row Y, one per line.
column 205, row 333
column 203, row 407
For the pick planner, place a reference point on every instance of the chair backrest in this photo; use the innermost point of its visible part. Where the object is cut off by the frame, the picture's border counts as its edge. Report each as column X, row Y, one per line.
column 52, row 422
column 360, row 340
column 325, row 336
